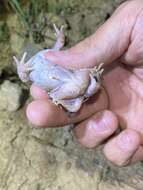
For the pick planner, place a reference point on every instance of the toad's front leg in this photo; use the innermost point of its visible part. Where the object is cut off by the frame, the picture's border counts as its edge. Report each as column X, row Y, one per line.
column 60, row 37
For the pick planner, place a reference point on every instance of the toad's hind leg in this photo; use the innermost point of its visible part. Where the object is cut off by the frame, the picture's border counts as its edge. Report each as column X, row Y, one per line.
column 60, row 37
column 23, row 68
column 22, row 64
column 22, row 61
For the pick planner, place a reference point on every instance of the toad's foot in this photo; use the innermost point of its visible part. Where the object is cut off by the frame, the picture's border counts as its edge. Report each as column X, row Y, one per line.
column 60, row 37
column 23, row 68
column 97, row 71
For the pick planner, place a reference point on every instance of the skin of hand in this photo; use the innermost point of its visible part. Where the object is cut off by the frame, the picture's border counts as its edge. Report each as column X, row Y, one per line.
column 119, row 44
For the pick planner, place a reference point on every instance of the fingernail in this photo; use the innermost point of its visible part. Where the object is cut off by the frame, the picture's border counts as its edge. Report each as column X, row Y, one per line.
column 124, row 141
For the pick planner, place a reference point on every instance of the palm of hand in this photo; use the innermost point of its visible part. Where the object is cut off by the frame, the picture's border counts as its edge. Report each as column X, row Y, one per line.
column 124, row 87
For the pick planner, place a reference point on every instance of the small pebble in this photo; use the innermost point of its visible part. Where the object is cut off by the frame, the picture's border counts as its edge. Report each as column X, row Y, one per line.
column 10, row 96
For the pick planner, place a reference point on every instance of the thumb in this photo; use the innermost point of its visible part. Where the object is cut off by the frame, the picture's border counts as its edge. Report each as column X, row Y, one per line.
column 106, row 45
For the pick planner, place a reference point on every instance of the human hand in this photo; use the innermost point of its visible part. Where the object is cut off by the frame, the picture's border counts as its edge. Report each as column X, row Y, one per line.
column 119, row 41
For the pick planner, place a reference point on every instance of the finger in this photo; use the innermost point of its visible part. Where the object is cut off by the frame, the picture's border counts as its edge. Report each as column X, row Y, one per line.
column 45, row 113
column 134, row 54
column 96, row 129
column 38, row 93
column 108, row 43
column 138, row 156
column 121, row 148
